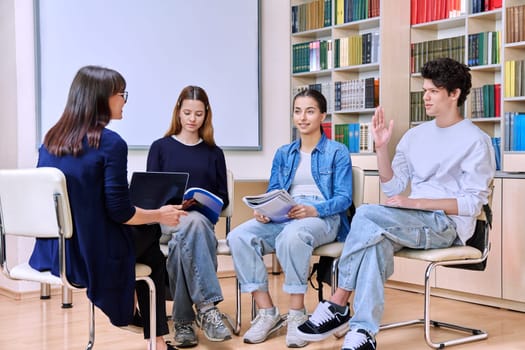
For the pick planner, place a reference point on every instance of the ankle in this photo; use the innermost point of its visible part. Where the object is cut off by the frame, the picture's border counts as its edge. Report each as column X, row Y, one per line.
column 269, row 310
column 297, row 312
column 338, row 307
column 160, row 343
column 205, row 307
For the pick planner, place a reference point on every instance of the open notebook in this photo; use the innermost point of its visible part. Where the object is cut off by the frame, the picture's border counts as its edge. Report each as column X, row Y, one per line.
column 151, row 190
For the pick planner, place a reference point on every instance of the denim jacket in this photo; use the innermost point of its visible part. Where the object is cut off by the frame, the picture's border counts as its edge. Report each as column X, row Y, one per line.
column 332, row 173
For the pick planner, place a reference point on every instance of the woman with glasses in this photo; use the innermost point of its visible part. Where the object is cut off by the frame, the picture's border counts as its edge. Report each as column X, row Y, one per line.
column 94, row 162
column 189, row 146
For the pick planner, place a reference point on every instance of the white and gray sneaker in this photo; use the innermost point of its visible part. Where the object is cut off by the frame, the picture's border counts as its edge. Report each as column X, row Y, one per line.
column 211, row 324
column 295, row 319
column 185, row 336
column 263, row 326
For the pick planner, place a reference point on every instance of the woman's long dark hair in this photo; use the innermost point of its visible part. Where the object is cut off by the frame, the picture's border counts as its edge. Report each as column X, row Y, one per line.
column 87, row 110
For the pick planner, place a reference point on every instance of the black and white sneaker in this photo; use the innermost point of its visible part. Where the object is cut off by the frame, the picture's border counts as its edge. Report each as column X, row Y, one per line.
column 359, row 340
column 325, row 321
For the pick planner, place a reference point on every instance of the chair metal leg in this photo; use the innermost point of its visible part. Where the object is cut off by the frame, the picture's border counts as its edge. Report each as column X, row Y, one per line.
column 238, row 313
column 235, row 325
column 477, row 334
column 152, row 312
column 67, row 298
column 45, row 291
column 91, row 340
column 335, row 275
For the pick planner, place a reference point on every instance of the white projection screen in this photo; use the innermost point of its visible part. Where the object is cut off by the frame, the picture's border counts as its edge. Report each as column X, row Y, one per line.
column 159, row 46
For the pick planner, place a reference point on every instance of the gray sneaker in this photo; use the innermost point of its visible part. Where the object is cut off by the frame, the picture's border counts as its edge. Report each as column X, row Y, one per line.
column 211, row 324
column 262, row 326
column 185, row 336
column 294, row 320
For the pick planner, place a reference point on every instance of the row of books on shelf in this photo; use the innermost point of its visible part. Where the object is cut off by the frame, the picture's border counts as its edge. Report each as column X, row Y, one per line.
column 417, row 108
column 478, row 6
column 514, row 131
column 515, row 24
column 311, row 15
column 319, row 55
column 486, row 101
column 355, row 10
column 514, row 78
column 356, row 94
column 346, row 95
column 356, row 136
column 327, row 129
column 357, row 49
column 484, row 48
column 324, row 88
column 422, row 11
column 312, row 56
column 418, row 113
column 496, row 143
column 424, row 51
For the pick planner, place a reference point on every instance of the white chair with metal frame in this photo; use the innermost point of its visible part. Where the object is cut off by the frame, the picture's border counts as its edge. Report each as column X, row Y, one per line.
column 34, row 203
column 472, row 256
column 334, row 249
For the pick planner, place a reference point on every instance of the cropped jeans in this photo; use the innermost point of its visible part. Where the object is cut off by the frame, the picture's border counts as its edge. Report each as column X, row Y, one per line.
column 192, row 266
column 292, row 241
column 367, row 261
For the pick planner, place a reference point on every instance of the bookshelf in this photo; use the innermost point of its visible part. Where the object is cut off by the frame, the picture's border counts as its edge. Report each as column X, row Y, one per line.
column 344, row 58
column 473, row 38
column 398, row 34
column 491, row 41
column 514, row 91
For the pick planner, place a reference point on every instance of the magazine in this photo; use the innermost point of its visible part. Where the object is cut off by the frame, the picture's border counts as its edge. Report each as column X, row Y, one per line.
column 274, row 204
column 205, row 202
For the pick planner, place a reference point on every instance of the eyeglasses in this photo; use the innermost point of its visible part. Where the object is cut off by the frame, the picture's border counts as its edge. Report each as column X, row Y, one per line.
column 124, row 95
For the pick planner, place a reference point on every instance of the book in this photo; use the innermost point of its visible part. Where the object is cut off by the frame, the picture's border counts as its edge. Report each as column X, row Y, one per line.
column 274, row 204
column 203, row 201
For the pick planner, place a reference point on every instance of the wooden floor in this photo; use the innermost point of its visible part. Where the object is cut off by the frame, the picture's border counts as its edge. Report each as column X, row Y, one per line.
column 43, row 324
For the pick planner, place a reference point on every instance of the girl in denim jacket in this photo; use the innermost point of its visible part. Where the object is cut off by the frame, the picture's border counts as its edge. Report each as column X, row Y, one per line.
column 317, row 172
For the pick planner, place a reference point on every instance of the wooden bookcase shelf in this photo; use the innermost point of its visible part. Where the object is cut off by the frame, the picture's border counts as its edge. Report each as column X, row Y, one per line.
column 391, row 33
column 498, row 285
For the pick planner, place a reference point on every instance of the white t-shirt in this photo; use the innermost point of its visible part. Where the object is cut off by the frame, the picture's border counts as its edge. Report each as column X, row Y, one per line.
column 303, row 182
column 452, row 162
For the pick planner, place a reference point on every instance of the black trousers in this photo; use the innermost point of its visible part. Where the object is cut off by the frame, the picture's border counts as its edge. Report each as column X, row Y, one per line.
column 147, row 250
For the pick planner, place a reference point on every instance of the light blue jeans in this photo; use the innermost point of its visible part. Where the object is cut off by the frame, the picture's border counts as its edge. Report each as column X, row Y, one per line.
column 292, row 241
column 367, row 260
column 192, row 265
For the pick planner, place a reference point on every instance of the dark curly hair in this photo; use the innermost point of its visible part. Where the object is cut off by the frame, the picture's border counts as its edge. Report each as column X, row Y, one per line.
column 449, row 74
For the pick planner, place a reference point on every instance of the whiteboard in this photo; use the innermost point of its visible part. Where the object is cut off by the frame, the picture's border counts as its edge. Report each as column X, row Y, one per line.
column 159, row 46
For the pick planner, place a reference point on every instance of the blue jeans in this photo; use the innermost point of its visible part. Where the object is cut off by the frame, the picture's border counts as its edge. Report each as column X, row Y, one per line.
column 292, row 241
column 192, row 266
column 367, row 261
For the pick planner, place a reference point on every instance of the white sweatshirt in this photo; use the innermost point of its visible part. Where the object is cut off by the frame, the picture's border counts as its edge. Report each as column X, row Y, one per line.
column 452, row 162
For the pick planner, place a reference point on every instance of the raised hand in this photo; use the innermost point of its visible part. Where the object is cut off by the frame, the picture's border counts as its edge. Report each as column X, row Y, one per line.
column 380, row 131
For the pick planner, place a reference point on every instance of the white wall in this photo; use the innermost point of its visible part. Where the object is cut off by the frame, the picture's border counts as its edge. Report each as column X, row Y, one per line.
column 275, row 58
column 17, row 98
